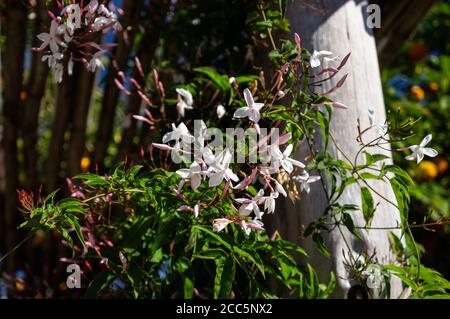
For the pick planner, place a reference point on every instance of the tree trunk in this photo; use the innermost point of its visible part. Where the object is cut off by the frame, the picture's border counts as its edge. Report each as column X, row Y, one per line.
column 36, row 90
column 84, row 86
column 399, row 19
column 157, row 14
column 65, row 102
column 132, row 9
column 15, row 31
column 341, row 29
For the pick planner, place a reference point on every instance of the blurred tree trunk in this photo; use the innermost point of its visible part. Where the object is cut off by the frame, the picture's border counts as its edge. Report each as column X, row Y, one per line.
column 65, row 103
column 35, row 90
column 341, row 28
column 157, row 12
column 399, row 19
column 84, row 85
column 132, row 9
column 13, row 60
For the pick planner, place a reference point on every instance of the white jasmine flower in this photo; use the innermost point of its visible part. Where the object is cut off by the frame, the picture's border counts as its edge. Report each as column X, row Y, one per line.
column 251, row 110
column 95, row 62
column 321, row 57
column 220, row 111
column 419, row 151
column 184, row 101
column 305, row 179
column 374, row 275
column 220, row 223
column 382, row 128
column 50, row 39
column 249, row 205
column 220, row 171
column 269, row 203
column 178, row 133
column 282, row 158
column 194, row 173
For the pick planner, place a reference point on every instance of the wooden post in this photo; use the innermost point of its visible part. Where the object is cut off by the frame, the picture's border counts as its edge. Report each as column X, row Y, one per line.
column 340, row 26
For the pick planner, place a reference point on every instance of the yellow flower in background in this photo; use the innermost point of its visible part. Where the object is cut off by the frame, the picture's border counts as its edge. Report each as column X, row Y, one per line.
column 418, row 92
column 429, row 168
column 433, row 86
column 85, row 163
column 20, row 284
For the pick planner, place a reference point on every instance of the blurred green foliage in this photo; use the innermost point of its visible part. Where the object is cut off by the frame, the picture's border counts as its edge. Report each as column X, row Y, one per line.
column 417, row 85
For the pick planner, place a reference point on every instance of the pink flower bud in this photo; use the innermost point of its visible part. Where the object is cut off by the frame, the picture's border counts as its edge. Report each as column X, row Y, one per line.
column 339, row 105
column 163, row 147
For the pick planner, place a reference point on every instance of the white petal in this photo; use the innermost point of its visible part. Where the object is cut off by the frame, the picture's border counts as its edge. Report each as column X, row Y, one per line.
column 167, row 137
column 420, row 156
column 43, row 37
column 254, row 116
column 196, row 211
column 219, row 224
column 431, row 152
column 184, row 173
column 313, row 179
column 287, row 165
column 411, row 157
column 195, row 181
column 314, row 62
column 296, row 163
column 307, row 188
column 208, row 156
column 215, row 179
column 426, row 140
column 258, row 106
column 220, row 111
column 242, row 200
column 288, row 150
column 248, row 98
column 280, row 189
column 322, row 53
column 242, row 112
column 245, row 209
column 231, row 175
column 258, row 213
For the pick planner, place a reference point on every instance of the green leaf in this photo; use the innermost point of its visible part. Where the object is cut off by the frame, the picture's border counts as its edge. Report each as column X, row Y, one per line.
column 318, row 240
column 367, row 205
column 246, row 79
column 348, row 222
column 221, row 81
column 400, row 173
column 250, row 258
column 324, row 127
column 401, row 195
column 100, row 282
column 369, row 158
column 220, row 263
column 188, row 288
column 214, row 235
column 157, row 256
column 227, row 278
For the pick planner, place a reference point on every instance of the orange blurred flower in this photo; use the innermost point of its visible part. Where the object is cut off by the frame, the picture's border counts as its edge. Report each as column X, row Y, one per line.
column 429, row 168
column 433, row 86
column 20, row 284
column 85, row 163
column 442, row 165
column 418, row 92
